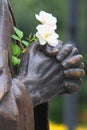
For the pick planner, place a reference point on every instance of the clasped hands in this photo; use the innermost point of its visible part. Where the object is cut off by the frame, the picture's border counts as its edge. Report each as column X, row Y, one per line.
column 48, row 71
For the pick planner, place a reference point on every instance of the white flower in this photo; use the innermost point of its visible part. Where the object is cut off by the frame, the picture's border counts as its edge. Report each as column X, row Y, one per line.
column 46, row 34
column 46, row 31
column 47, row 18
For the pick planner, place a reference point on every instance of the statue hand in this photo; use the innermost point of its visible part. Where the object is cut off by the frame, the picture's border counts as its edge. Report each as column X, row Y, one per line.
column 71, row 64
column 48, row 71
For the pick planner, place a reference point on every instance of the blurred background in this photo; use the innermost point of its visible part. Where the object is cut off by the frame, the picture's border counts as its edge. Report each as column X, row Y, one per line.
column 67, row 110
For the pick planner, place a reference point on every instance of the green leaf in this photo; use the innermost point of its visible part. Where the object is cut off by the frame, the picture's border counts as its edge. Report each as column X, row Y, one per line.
column 15, row 37
column 18, row 54
column 15, row 61
column 30, row 36
column 16, row 51
column 25, row 43
column 18, row 32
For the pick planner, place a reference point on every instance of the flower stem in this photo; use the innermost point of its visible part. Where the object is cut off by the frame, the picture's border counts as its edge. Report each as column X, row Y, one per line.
column 21, row 45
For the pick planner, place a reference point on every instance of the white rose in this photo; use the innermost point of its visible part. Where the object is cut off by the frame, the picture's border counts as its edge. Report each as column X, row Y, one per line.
column 47, row 18
column 45, row 34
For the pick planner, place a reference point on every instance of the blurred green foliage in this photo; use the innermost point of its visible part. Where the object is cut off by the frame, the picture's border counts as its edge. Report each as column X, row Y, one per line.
column 55, row 109
column 25, row 11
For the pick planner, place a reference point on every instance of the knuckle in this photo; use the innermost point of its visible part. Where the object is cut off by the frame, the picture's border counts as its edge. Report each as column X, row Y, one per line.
column 74, row 51
column 71, row 87
column 76, row 72
column 64, row 52
column 76, row 59
column 50, row 51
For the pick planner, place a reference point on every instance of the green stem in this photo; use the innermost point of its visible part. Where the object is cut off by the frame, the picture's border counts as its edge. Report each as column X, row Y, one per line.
column 21, row 45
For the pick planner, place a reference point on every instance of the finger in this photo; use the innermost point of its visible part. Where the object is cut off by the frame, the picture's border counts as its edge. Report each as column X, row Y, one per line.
column 52, row 51
column 78, row 65
column 74, row 73
column 71, row 86
column 73, row 61
column 64, row 52
column 74, row 51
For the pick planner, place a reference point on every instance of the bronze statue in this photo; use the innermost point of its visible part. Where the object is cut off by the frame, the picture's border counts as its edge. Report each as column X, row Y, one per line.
column 44, row 72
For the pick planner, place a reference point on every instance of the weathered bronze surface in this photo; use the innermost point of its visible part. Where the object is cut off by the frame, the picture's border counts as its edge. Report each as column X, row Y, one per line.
column 16, row 109
column 44, row 72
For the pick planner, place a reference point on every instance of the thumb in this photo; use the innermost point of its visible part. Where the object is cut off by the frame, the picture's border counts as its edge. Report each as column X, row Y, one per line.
column 34, row 47
column 31, row 51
